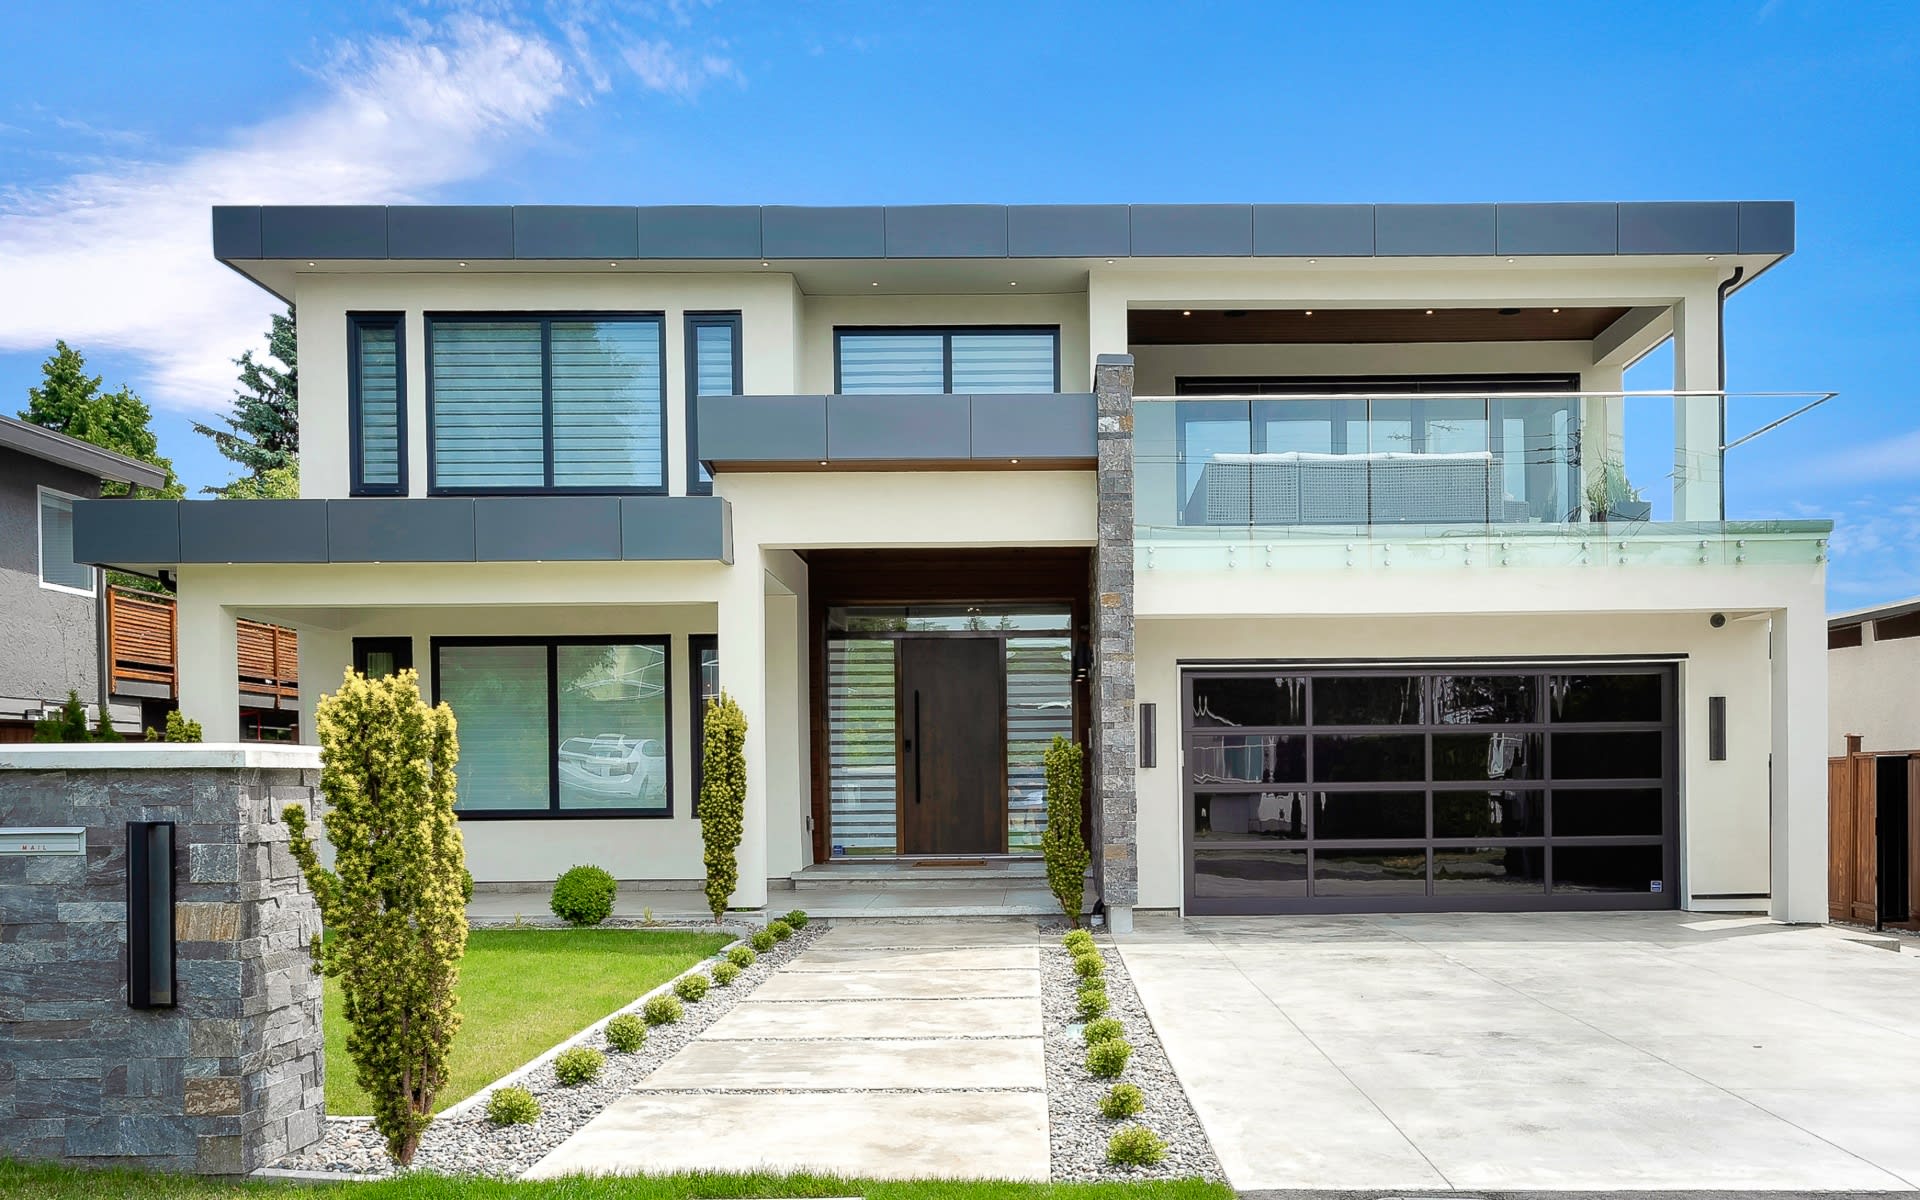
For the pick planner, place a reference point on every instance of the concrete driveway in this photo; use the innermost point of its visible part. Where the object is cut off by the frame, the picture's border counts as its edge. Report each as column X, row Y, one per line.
column 1540, row 1052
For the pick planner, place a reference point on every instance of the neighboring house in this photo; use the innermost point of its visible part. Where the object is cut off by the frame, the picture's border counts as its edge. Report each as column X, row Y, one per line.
column 50, row 603
column 1286, row 511
column 1873, row 664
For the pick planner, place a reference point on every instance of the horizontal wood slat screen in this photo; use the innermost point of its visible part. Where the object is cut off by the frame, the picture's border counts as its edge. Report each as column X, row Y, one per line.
column 143, row 642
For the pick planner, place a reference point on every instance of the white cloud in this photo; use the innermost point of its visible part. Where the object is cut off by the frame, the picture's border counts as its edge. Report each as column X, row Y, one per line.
column 1896, row 457
column 120, row 256
column 662, row 66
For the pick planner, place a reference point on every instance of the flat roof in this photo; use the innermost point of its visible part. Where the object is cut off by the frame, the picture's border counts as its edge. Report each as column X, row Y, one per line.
column 1860, row 616
column 247, row 233
column 48, row 446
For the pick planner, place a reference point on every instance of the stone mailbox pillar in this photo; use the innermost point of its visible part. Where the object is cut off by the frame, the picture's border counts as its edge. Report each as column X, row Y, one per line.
column 228, row 1078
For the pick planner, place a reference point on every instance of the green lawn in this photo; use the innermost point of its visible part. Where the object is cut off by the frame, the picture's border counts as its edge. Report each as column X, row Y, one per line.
column 56, row 1183
column 521, row 991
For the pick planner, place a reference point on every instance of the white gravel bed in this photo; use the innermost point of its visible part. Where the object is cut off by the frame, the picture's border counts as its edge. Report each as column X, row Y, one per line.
column 464, row 1142
column 1079, row 1133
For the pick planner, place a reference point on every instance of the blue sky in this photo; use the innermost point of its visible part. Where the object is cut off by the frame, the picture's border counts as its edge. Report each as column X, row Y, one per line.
column 106, row 174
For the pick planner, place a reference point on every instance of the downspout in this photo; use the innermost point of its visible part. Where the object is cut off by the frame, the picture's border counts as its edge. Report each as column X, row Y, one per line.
column 1720, row 335
column 101, row 633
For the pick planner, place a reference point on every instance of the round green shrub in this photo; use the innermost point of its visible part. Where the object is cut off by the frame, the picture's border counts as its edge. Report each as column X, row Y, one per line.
column 1103, row 1030
column 1089, row 966
column 1095, row 984
column 1107, row 1059
column 1077, row 938
column 797, row 918
column 1121, row 1101
column 662, row 1010
column 741, row 956
column 1135, row 1146
column 780, row 930
column 1091, row 1004
column 724, row 973
column 761, row 940
column 578, row 1065
column 626, row 1033
column 583, row 896
column 512, row 1106
column 691, row 988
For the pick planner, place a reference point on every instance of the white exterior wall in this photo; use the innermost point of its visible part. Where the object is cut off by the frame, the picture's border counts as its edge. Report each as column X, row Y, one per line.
column 821, row 315
column 1875, row 688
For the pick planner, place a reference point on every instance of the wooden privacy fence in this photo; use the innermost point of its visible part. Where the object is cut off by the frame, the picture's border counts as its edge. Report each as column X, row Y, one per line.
column 1871, row 876
column 143, row 644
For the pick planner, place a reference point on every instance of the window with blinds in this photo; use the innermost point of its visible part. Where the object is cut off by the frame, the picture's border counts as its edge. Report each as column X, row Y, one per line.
column 376, row 396
column 57, row 568
column 518, row 404
column 965, row 361
column 713, row 369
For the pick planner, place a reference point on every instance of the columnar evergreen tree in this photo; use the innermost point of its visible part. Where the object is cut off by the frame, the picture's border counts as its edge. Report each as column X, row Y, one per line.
column 723, row 798
column 262, row 432
column 392, row 902
column 1061, row 845
column 70, row 401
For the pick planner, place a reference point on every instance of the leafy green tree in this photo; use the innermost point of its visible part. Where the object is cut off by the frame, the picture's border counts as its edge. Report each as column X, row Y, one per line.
column 392, row 902
column 723, row 798
column 262, row 432
column 1061, row 845
column 275, row 483
column 70, row 401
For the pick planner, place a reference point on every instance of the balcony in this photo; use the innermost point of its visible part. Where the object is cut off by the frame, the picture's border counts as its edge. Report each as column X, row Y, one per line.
column 1435, row 479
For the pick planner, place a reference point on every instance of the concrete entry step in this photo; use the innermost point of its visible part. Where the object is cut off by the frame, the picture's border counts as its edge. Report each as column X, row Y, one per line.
column 908, row 874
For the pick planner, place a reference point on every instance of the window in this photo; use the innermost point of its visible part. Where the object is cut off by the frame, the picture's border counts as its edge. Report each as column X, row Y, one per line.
column 521, row 404
column 567, row 727
column 377, row 404
column 379, row 657
column 713, row 369
column 910, row 360
column 57, row 567
column 704, row 681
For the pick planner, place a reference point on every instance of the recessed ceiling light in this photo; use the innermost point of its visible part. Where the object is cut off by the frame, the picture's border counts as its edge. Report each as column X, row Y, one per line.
column 1509, row 260
column 763, row 264
column 1013, row 283
column 463, row 264
column 1016, row 461
column 1109, row 262
column 875, row 283
column 1186, row 312
column 1556, row 310
column 1309, row 312
column 823, row 462
column 1312, row 261
column 1709, row 260
column 1429, row 312
column 613, row 264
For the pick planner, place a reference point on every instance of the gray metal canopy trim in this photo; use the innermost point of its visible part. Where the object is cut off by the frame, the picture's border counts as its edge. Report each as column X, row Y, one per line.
column 993, row 231
column 152, row 534
column 1049, row 427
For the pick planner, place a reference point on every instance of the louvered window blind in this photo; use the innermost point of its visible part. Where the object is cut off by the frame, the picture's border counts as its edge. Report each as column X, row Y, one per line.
column 535, row 404
column 713, row 366
column 881, row 361
column 378, row 407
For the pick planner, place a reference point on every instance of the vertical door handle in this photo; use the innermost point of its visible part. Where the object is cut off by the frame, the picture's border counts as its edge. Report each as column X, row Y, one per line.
column 916, row 743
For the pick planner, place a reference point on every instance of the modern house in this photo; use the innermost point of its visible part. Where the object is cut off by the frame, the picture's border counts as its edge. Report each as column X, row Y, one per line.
column 1329, row 529
column 52, row 605
column 1873, row 660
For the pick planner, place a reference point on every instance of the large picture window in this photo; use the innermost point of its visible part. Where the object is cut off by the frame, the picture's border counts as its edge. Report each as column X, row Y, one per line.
column 713, row 369
column 572, row 403
column 571, row 727
column 965, row 361
column 377, row 404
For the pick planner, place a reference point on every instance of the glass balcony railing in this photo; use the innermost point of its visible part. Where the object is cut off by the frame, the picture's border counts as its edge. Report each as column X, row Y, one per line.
column 1507, row 479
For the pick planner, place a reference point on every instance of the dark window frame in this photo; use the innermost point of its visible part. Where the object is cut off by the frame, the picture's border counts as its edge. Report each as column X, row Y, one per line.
column 946, row 333
column 695, row 322
column 357, row 321
column 697, row 710
column 546, row 320
column 401, row 647
column 553, row 811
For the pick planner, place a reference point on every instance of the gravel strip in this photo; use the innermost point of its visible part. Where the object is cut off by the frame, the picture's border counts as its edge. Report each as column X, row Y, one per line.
column 466, row 1143
column 1079, row 1132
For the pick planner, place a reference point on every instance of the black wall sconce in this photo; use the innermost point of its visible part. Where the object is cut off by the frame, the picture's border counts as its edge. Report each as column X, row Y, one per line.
column 1716, row 728
column 150, row 914
column 1148, row 757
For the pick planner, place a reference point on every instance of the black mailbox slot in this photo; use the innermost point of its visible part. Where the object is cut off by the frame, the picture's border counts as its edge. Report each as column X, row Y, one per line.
column 150, row 914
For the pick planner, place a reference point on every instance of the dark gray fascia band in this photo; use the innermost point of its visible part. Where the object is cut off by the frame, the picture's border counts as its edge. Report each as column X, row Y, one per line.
column 1041, row 427
column 993, row 231
column 166, row 533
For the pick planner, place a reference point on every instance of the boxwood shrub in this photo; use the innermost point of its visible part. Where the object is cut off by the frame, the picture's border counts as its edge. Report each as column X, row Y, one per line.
column 626, row 1033
column 1122, row 1100
column 512, row 1106
column 662, row 1010
column 1092, row 1003
column 1077, row 938
column 796, row 918
column 577, row 1065
column 1135, row 1146
column 691, row 988
column 780, row 930
column 583, row 896
column 724, row 973
column 741, row 956
column 1101, row 1030
column 761, row 940
column 1089, row 966
column 1107, row 1059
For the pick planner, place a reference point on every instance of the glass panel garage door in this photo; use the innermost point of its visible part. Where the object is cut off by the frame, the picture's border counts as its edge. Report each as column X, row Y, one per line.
column 1414, row 789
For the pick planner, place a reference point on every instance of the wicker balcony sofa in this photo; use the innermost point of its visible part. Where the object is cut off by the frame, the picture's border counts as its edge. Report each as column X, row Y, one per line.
column 1391, row 487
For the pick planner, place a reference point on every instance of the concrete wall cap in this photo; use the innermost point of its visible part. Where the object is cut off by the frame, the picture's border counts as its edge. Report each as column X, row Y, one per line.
column 149, row 756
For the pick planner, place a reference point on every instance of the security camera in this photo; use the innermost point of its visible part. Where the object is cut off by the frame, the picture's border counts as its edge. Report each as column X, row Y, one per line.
column 1718, row 620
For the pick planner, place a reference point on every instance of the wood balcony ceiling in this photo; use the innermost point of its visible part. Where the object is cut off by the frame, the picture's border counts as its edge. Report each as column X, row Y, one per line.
column 1350, row 326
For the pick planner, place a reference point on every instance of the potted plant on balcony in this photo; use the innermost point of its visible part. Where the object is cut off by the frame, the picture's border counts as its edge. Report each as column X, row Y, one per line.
column 1610, row 497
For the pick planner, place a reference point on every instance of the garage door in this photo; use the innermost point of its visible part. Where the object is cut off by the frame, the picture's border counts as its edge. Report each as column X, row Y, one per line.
column 1415, row 788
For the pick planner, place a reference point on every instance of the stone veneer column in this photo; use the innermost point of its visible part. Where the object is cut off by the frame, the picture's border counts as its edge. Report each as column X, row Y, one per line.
column 1111, row 779
column 231, row 1078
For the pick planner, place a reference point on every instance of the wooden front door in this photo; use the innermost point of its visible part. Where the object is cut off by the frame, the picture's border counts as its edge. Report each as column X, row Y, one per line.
column 951, row 712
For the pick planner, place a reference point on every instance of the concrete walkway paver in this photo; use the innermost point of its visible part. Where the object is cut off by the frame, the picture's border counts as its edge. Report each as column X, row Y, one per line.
column 886, row 1050
column 1593, row 1051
